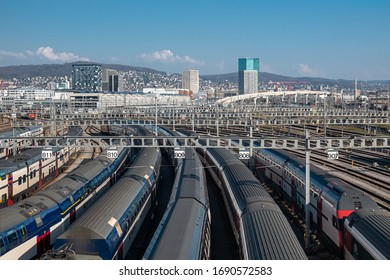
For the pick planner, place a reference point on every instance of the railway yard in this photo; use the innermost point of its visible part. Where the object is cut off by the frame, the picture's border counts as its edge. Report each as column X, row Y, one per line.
column 169, row 185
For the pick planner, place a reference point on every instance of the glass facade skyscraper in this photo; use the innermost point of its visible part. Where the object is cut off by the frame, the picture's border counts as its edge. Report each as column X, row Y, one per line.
column 87, row 77
column 248, row 71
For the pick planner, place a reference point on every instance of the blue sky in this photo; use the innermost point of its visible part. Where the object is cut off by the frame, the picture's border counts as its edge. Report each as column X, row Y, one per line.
column 329, row 38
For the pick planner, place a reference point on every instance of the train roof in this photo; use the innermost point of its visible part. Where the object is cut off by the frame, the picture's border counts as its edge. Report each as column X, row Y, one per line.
column 245, row 186
column 333, row 186
column 270, row 236
column 95, row 227
column 374, row 225
column 186, row 217
column 353, row 199
column 146, row 159
column 29, row 156
column 23, row 210
column 19, row 130
column 191, row 181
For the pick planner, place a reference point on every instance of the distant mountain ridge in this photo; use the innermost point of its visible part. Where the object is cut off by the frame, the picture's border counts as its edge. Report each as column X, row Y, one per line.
column 265, row 77
column 59, row 70
column 51, row 70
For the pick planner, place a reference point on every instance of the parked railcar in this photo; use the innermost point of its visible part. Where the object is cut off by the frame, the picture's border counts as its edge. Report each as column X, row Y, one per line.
column 367, row 235
column 27, row 171
column 29, row 227
column 260, row 228
column 108, row 228
column 331, row 199
column 184, row 230
column 11, row 147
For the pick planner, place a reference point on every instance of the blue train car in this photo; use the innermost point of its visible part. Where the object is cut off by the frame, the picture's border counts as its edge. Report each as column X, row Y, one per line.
column 108, row 228
column 29, row 227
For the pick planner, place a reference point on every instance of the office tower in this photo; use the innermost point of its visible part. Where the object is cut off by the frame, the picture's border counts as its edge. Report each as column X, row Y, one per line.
column 112, row 81
column 190, row 80
column 87, row 77
column 248, row 71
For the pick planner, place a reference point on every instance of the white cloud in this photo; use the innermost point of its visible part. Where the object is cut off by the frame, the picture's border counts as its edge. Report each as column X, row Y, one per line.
column 29, row 53
column 12, row 54
column 48, row 52
column 45, row 52
column 306, row 70
column 167, row 56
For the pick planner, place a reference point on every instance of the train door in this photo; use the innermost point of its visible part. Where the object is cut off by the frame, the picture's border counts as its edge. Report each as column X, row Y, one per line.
column 293, row 194
column 10, row 189
column 72, row 216
column 56, row 164
column 40, row 175
column 43, row 243
column 119, row 255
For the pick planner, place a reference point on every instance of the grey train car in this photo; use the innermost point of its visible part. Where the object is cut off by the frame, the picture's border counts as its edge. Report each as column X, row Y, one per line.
column 367, row 235
column 261, row 230
column 184, row 230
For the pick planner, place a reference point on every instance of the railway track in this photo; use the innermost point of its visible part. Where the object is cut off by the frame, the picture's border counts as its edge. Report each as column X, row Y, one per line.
column 97, row 149
column 371, row 184
column 357, row 169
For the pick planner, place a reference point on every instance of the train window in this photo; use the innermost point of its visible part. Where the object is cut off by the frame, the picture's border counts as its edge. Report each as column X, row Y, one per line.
column 334, row 221
column 20, row 180
column 31, row 175
column 4, row 198
column 24, row 178
column 2, row 246
column 12, row 238
column 35, row 173
column 22, row 232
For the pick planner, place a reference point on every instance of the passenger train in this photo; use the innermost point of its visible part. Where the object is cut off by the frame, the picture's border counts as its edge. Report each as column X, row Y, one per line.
column 29, row 227
column 332, row 201
column 259, row 226
column 184, row 230
column 8, row 145
column 367, row 235
column 24, row 173
column 107, row 230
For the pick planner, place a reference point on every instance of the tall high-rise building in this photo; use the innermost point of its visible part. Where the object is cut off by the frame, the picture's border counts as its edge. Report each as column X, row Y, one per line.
column 112, row 81
column 248, row 71
column 190, row 80
column 87, row 77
